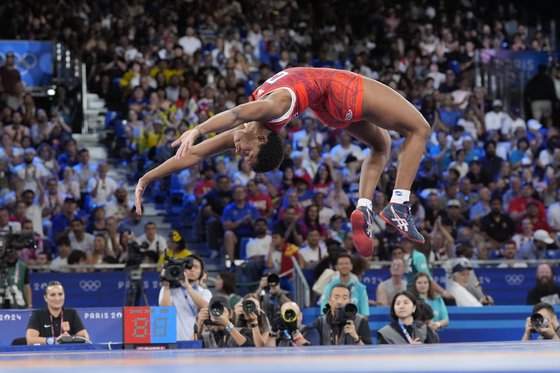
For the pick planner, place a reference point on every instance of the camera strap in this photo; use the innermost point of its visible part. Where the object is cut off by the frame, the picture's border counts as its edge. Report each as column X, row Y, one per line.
column 405, row 332
column 188, row 299
column 16, row 274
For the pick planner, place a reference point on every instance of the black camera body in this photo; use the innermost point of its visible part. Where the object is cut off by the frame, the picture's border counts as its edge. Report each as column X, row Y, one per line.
column 346, row 312
column 249, row 306
column 136, row 254
column 175, row 270
column 539, row 321
column 273, row 279
column 16, row 241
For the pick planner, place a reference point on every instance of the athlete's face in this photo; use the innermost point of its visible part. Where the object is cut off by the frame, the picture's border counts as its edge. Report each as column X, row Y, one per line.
column 247, row 144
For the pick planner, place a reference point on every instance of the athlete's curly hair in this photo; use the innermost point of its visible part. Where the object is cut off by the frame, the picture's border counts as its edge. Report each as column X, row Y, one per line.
column 271, row 154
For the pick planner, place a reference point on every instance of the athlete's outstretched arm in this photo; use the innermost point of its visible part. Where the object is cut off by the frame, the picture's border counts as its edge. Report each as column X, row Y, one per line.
column 274, row 106
column 198, row 153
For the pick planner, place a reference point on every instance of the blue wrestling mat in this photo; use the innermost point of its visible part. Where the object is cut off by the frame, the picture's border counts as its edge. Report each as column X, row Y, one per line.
column 467, row 357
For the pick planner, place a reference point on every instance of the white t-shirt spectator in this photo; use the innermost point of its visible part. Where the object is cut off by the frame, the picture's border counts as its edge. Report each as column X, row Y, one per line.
column 158, row 245
column 35, row 214
column 57, row 263
column 113, row 209
column 460, row 96
column 545, row 157
column 339, row 154
column 11, row 227
column 493, row 120
column 509, row 126
column 82, row 173
column 325, row 216
column 30, row 183
column 15, row 152
column 105, row 191
column 71, row 190
column 172, row 94
column 84, row 245
column 258, row 246
column 239, row 178
column 185, row 177
column 187, row 310
column 190, row 45
column 310, row 255
column 463, row 297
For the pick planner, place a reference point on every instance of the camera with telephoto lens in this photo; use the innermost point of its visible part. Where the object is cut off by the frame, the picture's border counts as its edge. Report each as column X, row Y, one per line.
column 175, row 270
column 346, row 312
column 249, row 306
column 538, row 321
column 136, row 254
column 273, row 280
column 216, row 310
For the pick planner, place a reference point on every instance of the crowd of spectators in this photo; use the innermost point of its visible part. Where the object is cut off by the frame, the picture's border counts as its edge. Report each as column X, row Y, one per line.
column 487, row 186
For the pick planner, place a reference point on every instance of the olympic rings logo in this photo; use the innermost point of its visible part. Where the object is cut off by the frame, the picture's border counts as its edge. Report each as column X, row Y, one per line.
column 90, row 285
column 24, row 63
column 514, row 279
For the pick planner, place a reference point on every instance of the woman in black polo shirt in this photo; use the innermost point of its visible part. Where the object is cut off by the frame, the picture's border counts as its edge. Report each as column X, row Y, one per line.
column 48, row 324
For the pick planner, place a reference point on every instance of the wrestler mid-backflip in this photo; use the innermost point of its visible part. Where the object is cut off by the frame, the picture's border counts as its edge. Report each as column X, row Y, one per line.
column 363, row 107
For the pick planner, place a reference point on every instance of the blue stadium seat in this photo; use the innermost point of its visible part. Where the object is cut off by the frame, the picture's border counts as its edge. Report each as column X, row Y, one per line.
column 110, row 117
column 120, row 129
column 495, row 254
column 553, row 254
column 454, row 65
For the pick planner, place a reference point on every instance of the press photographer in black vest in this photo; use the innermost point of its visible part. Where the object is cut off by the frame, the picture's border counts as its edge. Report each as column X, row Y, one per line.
column 288, row 330
column 215, row 329
column 543, row 321
column 341, row 324
column 49, row 324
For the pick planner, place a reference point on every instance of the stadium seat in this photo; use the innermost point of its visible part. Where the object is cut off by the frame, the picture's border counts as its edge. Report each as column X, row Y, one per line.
column 243, row 248
column 110, row 117
column 553, row 254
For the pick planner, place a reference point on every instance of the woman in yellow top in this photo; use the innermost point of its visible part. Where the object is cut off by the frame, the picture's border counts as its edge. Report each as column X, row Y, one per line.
column 177, row 247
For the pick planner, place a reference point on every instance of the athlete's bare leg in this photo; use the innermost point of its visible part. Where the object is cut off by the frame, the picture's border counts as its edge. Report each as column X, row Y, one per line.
column 379, row 142
column 389, row 110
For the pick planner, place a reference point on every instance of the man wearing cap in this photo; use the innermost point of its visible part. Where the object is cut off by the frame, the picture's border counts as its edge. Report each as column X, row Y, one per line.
column 458, row 287
column 302, row 182
column 513, row 122
column 9, row 76
column 494, row 119
column 546, row 289
column 221, row 332
column 455, row 219
column 535, row 249
column 464, row 251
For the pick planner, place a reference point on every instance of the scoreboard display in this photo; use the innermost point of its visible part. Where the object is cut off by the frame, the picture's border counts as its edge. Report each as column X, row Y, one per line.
column 149, row 327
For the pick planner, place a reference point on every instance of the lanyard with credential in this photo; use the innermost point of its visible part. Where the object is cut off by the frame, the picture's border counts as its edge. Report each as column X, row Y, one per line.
column 408, row 337
column 61, row 322
column 187, row 298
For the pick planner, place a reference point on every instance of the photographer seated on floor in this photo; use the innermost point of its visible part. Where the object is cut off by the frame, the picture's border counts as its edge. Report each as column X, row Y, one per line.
column 287, row 329
column 180, row 279
column 543, row 321
column 55, row 324
column 215, row 328
column 341, row 324
column 249, row 314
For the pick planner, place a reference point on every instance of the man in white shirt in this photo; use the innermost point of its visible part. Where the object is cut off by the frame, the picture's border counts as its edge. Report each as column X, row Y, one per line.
column 157, row 243
column 554, row 214
column 513, row 122
column 340, row 152
column 101, row 188
column 461, row 95
column 84, row 171
column 307, row 137
column 188, row 298
column 493, row 119
column 258, row 247
column 458, row 288
column 31, row 173
column 7, row 226
column 64, row 248
column 120, row 207
column 190, row 42
column 33, row 209
column 79, row 238
column 314, row 252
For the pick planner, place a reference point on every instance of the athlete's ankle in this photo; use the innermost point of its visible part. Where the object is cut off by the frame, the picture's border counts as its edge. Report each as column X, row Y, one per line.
column 400, row 196
column 365, row 202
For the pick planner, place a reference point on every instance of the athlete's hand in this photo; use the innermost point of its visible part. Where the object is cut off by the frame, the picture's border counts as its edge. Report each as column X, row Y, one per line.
column 187, row 139
column 140, row 188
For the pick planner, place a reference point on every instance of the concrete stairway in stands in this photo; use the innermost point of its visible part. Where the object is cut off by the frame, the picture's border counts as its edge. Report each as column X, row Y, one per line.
column 167, row 220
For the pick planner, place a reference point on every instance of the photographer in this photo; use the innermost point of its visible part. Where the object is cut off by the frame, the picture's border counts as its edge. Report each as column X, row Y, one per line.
column 51, row 323
column 215, row 328
column 287, row 329
column 543, row 321
column 187, row 296
column 341, row 325
column 249, row 314
column 271, row 295
column 19, row 293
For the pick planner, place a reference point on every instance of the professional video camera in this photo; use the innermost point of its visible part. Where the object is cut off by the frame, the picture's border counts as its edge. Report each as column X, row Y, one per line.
column 346, row 312
column 16, row 241
column 9, row 243
column 175, row 270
